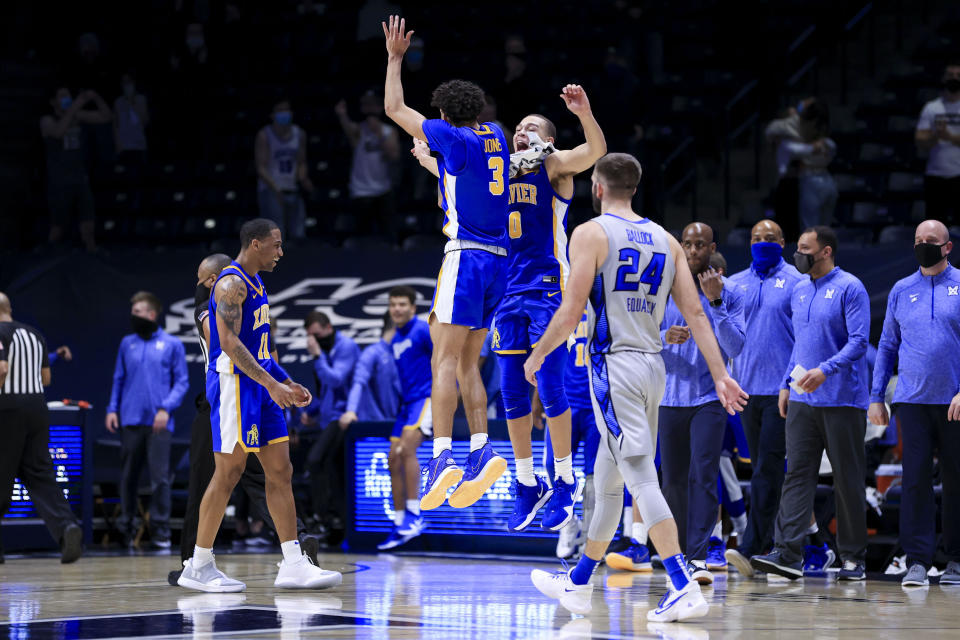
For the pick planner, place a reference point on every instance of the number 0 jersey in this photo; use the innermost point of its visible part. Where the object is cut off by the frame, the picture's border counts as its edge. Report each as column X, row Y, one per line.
column 537, row 228
column 255, row 328
column 473, row 181
column 632, row 286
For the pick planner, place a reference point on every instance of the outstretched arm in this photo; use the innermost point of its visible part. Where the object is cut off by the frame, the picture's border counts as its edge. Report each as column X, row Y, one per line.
column 398, row 40
column 421, row 151
column 582, row 157
column 687, row 299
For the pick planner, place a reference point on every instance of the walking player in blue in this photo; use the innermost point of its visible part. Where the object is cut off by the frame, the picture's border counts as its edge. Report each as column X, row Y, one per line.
column 248, row 391
column 473, row 188
column 412, row 351
column 921, row 328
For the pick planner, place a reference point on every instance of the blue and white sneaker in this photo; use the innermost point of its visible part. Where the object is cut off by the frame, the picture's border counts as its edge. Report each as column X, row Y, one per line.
column 816, row 560
column 775, row 563
column 442, row 473
column 716, row 561
column 676, row 606
column 484, row 467
column 411, row 526
column 559, row 510
column 575, row 598
column 528, row 500
column 636, row 557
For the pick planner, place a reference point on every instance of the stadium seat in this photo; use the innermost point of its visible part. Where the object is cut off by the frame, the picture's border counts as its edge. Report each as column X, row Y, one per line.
column 738, row 237
column 853, row 237
column 424, row 241
column 368, row 243
column 896, row 235
column 902, row 182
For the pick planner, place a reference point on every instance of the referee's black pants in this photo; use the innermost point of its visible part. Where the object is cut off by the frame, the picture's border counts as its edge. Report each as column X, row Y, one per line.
column 26, row 455
column 202, row 465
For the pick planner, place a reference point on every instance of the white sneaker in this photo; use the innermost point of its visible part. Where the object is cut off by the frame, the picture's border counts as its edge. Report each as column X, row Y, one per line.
column 569, row 536
column 208, row 578
column 676, row 606
column 575, row 598
column 305, row 575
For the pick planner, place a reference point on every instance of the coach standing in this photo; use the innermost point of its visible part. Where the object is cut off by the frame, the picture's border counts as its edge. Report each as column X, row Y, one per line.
column 766, row 287
column 831, row 323
column 24, row 372
column 149, row 382
column 922, row 326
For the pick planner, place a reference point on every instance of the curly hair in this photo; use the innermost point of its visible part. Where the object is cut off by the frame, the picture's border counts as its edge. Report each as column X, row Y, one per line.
column 460, row 101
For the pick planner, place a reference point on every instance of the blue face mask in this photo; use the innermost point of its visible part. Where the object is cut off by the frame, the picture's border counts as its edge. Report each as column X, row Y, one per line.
column 766, row 255
column 283, row 118
column 800, row 107
column 65, row 102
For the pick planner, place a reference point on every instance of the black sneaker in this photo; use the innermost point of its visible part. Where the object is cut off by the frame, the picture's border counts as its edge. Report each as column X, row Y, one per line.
column 852, row 571
column 773, row 562
column 173, row 576
column 310, row 547
column 71, row 544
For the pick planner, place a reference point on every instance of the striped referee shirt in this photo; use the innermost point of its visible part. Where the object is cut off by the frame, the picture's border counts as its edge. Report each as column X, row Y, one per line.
column 25, row 351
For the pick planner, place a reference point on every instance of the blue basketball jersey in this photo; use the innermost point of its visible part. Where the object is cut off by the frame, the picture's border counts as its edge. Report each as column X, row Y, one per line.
column 576, row 378
column 412, row 351
column 537, row 227
column 255, row 329
column 473, row 166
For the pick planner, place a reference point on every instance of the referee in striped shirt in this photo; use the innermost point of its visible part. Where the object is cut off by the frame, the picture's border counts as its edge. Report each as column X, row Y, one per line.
column 24, row 372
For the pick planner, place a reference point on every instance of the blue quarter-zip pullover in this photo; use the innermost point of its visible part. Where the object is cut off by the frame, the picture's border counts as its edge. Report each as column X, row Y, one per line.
column 375, row 394
column 150, row 375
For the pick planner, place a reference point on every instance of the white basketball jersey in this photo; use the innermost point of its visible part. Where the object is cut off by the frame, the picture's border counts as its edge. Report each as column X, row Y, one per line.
column 283, row 158
column 632, row 285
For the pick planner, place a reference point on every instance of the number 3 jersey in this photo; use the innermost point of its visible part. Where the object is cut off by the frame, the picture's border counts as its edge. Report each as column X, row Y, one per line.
column 632, row 286
column 473, row 166
column 255, row 326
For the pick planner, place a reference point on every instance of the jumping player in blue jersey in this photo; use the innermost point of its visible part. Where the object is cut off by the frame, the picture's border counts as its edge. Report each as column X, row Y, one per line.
column 473, row 187
column 248, row 391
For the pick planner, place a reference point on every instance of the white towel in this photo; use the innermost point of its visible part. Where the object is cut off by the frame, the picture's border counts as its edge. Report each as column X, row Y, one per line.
column 532, row 157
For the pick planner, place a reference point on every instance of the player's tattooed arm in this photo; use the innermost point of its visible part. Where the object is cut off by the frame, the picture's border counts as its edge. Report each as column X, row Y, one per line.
column 230, row 294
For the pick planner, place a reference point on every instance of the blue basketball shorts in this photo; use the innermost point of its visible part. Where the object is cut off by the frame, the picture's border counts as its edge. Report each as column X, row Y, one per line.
column 414, row 415
column 522, row 319
column 242, row 412
column 469, row 288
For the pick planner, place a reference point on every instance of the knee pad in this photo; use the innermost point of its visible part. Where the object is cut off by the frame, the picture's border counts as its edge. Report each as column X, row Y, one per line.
column 514, row 387
column 550, row 383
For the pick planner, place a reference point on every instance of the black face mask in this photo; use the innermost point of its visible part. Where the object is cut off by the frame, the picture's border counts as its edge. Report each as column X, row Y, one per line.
column 326, row 343
column 952, row 85
column 142, row 326
column 803, row 261
column 928, row 254
column 202, row 296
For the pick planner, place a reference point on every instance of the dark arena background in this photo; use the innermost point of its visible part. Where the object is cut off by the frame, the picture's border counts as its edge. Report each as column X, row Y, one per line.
column 136, row 138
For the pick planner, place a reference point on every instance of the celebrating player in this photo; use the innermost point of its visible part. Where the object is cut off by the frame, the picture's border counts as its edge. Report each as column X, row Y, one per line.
column 473, row 275
column 628, row 266
column 247, row 394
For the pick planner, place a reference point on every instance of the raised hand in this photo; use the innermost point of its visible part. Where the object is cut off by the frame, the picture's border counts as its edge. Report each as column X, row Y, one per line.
column 711, row 283
column 576, row 99
column 398, row 39
column 420, row 149
column 340, row 108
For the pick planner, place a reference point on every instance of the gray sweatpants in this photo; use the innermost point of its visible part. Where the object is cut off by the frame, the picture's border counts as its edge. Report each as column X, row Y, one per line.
column 841, row 431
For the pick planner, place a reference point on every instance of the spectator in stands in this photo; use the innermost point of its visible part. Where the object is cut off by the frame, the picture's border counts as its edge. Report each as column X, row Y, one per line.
column 766, row 287
column 780, row 133
column 131, row 117
column 922, row 324
column 489, row 114
column 692, row 420
column 814, row 153
column 68, row 187
column 516, row 90
column 90, row 68
column 938, row 133
column 375, row 393
column 376, row 148
column 281, row 156
column 827, row 373
column 149, row 382
column 334, row 359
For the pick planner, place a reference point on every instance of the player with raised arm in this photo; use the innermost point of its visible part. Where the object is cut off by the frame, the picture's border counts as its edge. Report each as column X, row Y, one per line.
column 248, row 391
column 541, row 187
column 627, row 266
column 473, row 190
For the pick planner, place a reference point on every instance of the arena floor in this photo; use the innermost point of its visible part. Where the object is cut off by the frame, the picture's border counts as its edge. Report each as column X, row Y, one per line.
column 438, row 597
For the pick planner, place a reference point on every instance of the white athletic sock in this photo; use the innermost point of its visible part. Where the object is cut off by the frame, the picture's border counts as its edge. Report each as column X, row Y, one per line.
column 813, row 529
column 291, row 551
column 477, row 441
column 717, row 530
column 413, row 506
column 627, row 519
column 639, row 532
column 564, row 468
column 525, row 472
column 398, row 516
column 441, row 444
column 201, row 557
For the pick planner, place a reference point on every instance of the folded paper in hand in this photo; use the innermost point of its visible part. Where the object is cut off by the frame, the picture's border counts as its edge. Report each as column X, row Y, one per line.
column 795, row 375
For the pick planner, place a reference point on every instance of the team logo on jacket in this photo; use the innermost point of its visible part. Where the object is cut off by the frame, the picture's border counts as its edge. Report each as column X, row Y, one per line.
column 914, row 296
column 829, row 294
column 779, row 284
column 953, row 291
